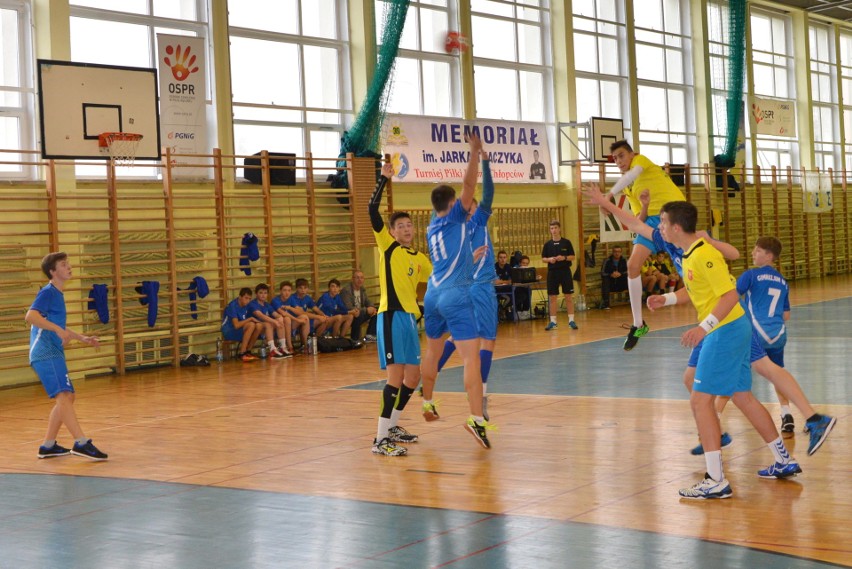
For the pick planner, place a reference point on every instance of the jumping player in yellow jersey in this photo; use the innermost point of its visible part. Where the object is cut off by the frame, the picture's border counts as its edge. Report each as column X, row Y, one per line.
column 723, row 366
column 401, row 269
column 638, row 174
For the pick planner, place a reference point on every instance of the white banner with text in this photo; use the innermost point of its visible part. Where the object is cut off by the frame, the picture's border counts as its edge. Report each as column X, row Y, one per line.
column 429, row 149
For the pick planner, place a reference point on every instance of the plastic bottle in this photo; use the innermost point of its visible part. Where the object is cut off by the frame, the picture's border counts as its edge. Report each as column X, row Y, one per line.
column 263, row 353
column 219, row 356
column 313, row 340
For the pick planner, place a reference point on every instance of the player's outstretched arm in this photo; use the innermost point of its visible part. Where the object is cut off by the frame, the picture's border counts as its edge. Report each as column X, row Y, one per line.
column 595, row 197
column 487, row 182
column 472, row 173
column 626, row 179
column 376, row 198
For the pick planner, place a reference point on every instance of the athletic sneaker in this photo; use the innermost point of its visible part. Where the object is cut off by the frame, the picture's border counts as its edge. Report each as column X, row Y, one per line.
column 572, row 325
column 247, row 357
column 725, row 443
column 400, row 435
column 551, row 326
column 634, row 335
column 54, row 451
column 430, row 411
column 88, row 450
column 707, row 489
column 819, row 431
column 278, row 354
column 479, row 431
column 485, row 407
column 369, row 339
column 780, row 471
column 387, row 448
column 787, row 426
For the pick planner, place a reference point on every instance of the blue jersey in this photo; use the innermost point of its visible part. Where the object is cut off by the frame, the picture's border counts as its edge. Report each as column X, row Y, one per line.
column 331, row 305
column 46, row 344
column 675, row 253
column 477, row 231
column 255, row 306
column 276, row 303
column 766, row 299
column 305, row 303
column 234, row 310
column 449, row 247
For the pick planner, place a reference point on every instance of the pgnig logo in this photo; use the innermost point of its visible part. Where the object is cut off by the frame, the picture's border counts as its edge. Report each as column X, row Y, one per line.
column 181, row 136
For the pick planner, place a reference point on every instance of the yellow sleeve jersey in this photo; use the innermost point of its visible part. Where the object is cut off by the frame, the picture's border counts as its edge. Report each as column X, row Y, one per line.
column 706, row 277
column 400, row 270
column 655, row 179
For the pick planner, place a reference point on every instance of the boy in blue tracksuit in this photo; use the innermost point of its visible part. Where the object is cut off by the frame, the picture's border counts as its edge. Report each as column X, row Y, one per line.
column 332, row 306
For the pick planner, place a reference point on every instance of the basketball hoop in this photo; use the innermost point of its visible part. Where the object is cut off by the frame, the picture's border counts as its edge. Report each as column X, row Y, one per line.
column 121, row 146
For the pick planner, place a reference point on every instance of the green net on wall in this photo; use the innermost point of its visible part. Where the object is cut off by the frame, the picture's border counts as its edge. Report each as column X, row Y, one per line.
column 362, row 139
column 736, row 63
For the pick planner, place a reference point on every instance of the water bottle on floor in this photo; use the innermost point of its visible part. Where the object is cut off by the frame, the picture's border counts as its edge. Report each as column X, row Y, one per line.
column 219, row 356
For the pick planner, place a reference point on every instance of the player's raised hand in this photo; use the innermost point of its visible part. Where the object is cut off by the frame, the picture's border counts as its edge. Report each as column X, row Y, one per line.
column 475, row 143
column 387, row 170
column 645, row 197
column 594, row 195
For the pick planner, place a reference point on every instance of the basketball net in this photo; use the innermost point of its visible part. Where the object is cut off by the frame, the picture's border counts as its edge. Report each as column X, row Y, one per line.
column 121, row 146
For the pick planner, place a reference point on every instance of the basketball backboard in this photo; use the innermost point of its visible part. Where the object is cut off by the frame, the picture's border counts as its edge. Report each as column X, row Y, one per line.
column 603, row 132
column 79, row 101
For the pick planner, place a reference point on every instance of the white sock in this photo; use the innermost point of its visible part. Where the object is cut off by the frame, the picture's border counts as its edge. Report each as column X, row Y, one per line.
column 484, row 389
column 394, row 420
column 283, row 344
column 779, row 451
column 553, row 319
column 271, row 345
column 634, row 287
column 478, row 420
column 382, row 431
column 785, row 410
column 570, row 318
column 714, row 465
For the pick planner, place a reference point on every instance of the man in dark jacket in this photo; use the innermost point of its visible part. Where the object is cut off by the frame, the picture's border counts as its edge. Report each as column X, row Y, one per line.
column 613, row 276
column 354, row 296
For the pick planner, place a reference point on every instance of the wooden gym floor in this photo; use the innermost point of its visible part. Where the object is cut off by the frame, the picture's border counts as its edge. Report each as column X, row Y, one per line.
column 269, row 464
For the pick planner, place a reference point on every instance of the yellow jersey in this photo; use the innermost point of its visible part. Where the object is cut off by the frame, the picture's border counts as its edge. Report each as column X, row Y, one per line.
column 652, row 178
column 400, row 271
column 707, row 278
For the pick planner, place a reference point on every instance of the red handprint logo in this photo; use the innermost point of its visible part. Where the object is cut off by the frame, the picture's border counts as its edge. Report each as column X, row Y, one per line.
column 183, row 62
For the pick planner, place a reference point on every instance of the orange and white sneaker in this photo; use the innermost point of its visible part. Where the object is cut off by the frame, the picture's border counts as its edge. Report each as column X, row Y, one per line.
column 247, row 357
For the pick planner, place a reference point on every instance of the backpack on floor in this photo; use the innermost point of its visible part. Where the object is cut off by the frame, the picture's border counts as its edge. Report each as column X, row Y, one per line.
column 327, row 345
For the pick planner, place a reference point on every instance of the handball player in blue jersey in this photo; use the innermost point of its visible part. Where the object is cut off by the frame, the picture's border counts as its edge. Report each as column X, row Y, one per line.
column 482, row 293
column 448, row 306
column 48, row 337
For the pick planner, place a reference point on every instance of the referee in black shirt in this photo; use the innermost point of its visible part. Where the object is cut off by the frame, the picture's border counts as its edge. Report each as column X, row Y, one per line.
column 558, row 253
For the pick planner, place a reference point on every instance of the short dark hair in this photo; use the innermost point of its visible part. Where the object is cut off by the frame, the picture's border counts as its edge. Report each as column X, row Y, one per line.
column 556, row 223
column 260, row 287
column 334, row 281
column 524, row 257
column 442, row 196
column 50, row 260
column 620, row 144
column 301, row 282
column 683, row 214
column 285, row 283
column 502, row 252
column 245, row 291
column 771, row 244
column 396, row 216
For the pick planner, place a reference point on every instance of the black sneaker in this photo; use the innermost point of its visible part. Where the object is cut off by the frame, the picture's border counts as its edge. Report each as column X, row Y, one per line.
column 399, row 435
column 634, row 335
column 479, row 431
column 787, row 426
column 88, row 450
column 52, row 452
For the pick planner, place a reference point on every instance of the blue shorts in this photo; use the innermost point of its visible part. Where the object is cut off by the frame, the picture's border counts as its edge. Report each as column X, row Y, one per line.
column 397, row 339
column 485, row 307
column 654, row 222
column 757, row 352
column 450, row 310
column 231, row 334
column 723, row 366
column 53, row 374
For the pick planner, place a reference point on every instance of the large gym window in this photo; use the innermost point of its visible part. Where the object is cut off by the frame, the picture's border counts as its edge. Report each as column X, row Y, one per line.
column 426, row 77
column 289, row 76
column 826, row 108
column 16, row 88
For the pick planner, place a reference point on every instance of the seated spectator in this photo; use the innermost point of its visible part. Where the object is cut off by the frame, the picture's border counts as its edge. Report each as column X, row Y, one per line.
column 664, row 265
column 504, row 272
column 273, row 324
column 299, row 322
column 652, row 278
column 332, row 306
column 237, row 326
column 522, row 295
column 613, row 276
column 304, row 304
column 354, row 296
